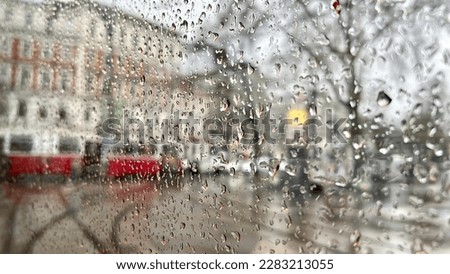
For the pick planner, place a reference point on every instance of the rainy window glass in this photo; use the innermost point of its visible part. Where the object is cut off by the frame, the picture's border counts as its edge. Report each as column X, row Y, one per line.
column 224, row 126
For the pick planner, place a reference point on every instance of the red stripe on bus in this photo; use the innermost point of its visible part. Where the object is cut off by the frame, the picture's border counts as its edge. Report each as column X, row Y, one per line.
column 123, row 166
column 27, row 164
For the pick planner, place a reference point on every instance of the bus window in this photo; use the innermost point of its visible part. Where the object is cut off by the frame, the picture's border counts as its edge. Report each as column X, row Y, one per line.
column 131, row 149
column 68, row 145
column 21, row 143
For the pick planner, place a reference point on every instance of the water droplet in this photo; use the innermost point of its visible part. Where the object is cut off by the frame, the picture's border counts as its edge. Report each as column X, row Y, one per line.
column 340, row 182
column 215, row 36
column 384, row 150
column 355, row 237
column 418, row 109
column 223, row 189
column 383, row 99
column 421, row 173
column 252, row 168
column 415, row 201
column 313, row 110
column 322, row 40
column 223, row 238
column 263, row 165
column 333, row 244
column 439, row 152
column 290, row 170
column 250, row 69
column 303, row 189
column 312, row 63
column 236, row 235
column 293, row 68
column 354, row 50
column 232, row 171
column 205, row 185
column 277, row 68
column 184, row 25
column 293, row 153
column 379, row 118
column 241, row 26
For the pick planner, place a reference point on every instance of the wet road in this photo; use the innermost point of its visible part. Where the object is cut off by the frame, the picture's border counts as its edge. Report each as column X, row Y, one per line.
column 216, row 214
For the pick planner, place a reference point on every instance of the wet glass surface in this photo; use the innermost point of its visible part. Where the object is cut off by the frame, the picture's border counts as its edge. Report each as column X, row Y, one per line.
column 224, row 126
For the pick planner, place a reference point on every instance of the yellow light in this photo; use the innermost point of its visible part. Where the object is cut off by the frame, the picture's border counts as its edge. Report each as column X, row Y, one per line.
column 298, row 116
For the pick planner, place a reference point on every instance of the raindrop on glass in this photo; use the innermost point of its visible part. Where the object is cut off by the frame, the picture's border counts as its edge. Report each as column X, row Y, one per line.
column 383, row 99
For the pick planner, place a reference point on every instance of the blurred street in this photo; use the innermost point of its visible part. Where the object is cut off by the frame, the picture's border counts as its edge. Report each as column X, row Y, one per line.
column 216, row 214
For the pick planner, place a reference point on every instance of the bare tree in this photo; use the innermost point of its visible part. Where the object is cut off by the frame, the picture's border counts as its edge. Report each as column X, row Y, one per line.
column 333, row 53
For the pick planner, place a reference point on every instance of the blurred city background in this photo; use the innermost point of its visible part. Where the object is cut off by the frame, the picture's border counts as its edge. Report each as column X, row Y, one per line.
column 224, row 126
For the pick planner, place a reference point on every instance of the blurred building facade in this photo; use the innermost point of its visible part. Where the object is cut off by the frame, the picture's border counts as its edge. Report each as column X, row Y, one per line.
column 70, row 64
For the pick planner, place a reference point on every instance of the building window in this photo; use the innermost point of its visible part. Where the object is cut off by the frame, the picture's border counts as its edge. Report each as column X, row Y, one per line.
column 46, row 50
column 8, row 15
column 65, row 81
column 4, row 72
column 62, row 114
column 26, row 48
column 93, row 28
column 87, row 115
column 29, row 19
column 45, row 79
column 3, row 107
column 25, row 78
column 90, row 57
column 43, row 112
column 89, row 81
column 68, row 25
column 4, row 46
column 66, row 52
column 22, row 109
column 135, row 40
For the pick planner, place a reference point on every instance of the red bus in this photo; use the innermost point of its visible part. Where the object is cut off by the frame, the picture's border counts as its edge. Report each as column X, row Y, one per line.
column 144, row 161
column 132, row 160
column 32, row 153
